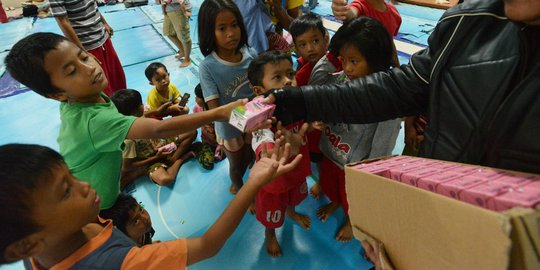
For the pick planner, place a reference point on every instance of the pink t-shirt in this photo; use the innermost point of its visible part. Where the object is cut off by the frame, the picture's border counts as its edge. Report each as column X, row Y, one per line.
column 390, row 18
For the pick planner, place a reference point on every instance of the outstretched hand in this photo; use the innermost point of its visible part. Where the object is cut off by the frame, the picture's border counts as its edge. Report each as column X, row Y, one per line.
column 294, row 138
column 224, row 112
column 274, row 165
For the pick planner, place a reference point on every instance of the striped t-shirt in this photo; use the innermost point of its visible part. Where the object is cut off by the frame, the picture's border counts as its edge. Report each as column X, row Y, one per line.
column 85, row 20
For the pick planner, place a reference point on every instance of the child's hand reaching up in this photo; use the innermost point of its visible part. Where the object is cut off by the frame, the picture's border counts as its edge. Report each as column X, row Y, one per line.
column 295, row 139
column 275, row 164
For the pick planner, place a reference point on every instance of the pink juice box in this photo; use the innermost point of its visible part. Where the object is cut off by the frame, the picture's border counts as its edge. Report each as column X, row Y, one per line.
column 411, row 177
column 454, row 188
column 377, row 168
column 514, row 180
column 525, row 196
column 432, row 181
column 254, row 112
column 397, row 170
column 483, row 195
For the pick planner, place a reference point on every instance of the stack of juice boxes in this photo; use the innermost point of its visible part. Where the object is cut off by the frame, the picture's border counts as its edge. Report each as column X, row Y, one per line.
column 489, row 188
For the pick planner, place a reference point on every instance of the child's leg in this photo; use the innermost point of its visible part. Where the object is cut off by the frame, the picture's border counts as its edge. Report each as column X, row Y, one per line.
column 181, row 26
column 240, row 156
column 328, row 181
column 130, row 176
column 270, row 209
column 272, row 244
column 294, row 197
column 184, row 144
column 345, row 232
column 164, row 176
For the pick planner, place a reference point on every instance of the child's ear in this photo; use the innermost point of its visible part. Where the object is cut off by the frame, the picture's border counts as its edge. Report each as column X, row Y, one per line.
column 150, row 83
column 27, row 247
column 60, row 96
column 258, row 90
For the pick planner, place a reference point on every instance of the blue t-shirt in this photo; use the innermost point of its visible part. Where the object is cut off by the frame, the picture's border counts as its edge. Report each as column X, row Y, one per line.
column 226, row 82
column 258, row 22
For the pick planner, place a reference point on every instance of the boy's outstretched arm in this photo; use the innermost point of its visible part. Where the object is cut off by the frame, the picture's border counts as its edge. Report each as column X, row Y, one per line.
column 266, row 169
column 146, row 128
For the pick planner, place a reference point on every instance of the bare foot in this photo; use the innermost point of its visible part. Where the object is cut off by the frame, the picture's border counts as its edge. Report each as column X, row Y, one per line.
column 345, row 232
column 302, row 220
column 186, row 63
column 326, row 211
column 233, row 189
column 315, row 191
column 272, row 244
column 179, row 56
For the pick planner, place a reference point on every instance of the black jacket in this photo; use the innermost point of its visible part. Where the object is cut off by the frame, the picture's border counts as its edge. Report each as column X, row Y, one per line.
column 478, row 82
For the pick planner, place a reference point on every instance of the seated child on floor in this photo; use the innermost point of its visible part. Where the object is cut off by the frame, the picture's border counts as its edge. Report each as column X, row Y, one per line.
column 132, row 219
column 143, row 156
column 272, row 70
column 50, row 218
column 212, row 150
column 364, row 47
column 92, row 131
column 164, row 91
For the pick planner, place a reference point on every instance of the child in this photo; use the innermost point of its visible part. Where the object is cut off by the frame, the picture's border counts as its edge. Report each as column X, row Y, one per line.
column 164, row 91
column 82, row 23
column 132, row 219
column 315, row 67
column 211, row 151
column 176, row 14
column 311, row 41
column 364, row 47
column 144, row 155
column 380, row 10
column 272, row 70
column 92, row 131
column 223, row 75
column 50, row 217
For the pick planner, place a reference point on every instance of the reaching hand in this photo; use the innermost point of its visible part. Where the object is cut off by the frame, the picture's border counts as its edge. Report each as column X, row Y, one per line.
column 341, row 10
column 275, row 165
column 163, row 108
column 295, row 139
column 372, row 254
column 224, row 112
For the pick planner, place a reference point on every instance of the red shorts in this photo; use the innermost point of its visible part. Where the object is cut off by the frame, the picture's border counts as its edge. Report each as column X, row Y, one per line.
column 112, row 68
column 332, row 182
column 270, row 207
column 314, row 137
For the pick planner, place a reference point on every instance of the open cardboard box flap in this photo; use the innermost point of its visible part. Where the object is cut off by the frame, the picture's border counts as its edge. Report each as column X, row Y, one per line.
column 425, row 230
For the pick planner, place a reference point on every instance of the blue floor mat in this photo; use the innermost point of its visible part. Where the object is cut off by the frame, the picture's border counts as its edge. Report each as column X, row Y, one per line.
column 140, row 44
column 126, row 18
column 13, row 31
column 46, row 25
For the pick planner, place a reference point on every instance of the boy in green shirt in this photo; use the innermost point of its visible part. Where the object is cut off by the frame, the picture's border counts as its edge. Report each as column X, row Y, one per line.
column 92, row 131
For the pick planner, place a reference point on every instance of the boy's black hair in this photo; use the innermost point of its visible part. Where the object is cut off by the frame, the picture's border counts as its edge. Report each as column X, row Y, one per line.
column 127, row 101
column 370, row 37
column 120, row 212
column 151, row 70
column 256, row 67
column 23, row 168
column 199, row 93
column 304, row 23
column 25, row 61
column 207, row 24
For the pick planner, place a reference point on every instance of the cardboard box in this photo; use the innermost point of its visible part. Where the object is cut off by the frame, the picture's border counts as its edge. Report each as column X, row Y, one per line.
column 420, row 229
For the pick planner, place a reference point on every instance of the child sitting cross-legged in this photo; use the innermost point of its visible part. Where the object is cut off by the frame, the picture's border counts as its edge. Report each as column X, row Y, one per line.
column 272, row 70
column 212, row 147
column 142, row 156
column 163, row 92
column 50, row 218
